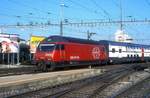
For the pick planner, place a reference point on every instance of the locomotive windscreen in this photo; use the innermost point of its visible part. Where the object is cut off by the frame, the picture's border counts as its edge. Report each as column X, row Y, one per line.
column 54, row 39
column 46, row 47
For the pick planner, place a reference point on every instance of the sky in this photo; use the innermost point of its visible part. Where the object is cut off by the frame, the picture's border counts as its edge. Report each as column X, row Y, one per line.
column 43, row 11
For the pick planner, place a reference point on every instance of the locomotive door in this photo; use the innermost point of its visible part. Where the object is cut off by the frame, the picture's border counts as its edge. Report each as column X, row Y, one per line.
column 62, row 53
column 142, row 54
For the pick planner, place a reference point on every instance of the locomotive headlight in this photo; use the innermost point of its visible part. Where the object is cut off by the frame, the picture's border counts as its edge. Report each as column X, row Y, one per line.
column 49, row 59
column 49, row 55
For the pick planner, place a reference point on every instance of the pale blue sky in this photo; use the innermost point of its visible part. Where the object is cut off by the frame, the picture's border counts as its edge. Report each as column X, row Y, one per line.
column 41, row 11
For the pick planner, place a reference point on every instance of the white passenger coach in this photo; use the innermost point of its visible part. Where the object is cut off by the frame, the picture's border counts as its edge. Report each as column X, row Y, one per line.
column 126, row 52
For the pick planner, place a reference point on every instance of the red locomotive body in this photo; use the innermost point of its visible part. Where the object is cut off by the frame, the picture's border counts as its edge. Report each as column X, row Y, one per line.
column 57, row 51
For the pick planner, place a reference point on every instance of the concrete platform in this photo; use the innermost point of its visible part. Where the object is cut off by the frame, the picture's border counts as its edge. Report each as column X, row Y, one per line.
column 13, row 85
column 20, row 79
column 2, row 66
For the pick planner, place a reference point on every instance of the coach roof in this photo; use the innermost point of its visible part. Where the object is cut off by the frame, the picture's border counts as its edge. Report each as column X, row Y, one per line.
column 106, row 42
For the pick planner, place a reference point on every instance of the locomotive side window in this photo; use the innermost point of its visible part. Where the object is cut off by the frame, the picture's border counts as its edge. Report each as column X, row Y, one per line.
column 57, row 47
column 113, row 50
column 62, row 47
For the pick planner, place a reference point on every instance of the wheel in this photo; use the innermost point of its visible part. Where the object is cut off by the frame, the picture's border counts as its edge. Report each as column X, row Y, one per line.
column 39, row 66
column 42, row 66
column 90, row 66
column 52, row 67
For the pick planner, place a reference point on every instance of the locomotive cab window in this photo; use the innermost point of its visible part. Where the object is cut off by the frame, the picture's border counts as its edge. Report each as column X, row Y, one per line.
column 62, row 47
column 46, row 47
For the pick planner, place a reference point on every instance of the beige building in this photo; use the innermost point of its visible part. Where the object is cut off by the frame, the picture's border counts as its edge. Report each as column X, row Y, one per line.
column 121, row 36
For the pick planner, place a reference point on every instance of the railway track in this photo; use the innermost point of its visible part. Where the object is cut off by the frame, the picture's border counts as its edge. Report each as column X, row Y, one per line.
column 87, row 88
column 139, row 90
column 93, row 88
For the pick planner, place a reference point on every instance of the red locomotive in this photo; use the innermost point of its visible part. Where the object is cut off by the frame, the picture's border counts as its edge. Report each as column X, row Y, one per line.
column 58, row 51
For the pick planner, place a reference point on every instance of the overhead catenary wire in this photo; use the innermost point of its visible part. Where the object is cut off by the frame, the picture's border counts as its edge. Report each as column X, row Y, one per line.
column 30, row 15
column 14, row 16
column 116, row 4
column 148, row 2
column 26, row 5
column 98, row 6
column 23, row 17
column 31, row 7
column 84, row 7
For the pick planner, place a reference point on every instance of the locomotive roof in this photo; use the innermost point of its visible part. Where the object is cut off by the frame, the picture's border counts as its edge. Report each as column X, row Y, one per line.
column 105, row 42
column 70, row 39
column 85, row 41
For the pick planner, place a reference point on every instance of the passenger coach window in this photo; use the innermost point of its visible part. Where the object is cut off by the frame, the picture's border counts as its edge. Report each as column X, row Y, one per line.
column 120, row 50
column 134, row 56
column 113, row 50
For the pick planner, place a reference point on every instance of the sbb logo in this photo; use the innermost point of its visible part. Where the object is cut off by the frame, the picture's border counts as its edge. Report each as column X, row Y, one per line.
column 96, row 52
